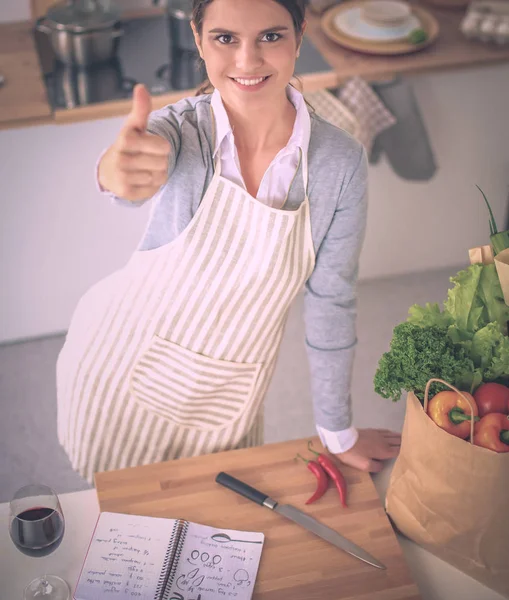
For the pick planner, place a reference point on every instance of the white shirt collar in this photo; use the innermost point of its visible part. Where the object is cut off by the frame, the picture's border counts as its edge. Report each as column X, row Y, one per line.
column 301, row 129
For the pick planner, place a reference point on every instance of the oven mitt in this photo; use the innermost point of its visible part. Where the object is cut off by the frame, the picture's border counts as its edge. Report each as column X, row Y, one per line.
column 327, row 105
column 372, row 116
column 406, row 144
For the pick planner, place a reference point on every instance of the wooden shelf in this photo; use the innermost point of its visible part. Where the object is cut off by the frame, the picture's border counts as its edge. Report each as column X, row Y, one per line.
column 451, row 51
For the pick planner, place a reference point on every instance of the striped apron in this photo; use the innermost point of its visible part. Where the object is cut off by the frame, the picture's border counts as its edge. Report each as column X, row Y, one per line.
column 171, row 356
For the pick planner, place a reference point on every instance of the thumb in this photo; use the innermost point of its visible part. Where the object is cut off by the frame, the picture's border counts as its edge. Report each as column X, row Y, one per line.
column 141, row 108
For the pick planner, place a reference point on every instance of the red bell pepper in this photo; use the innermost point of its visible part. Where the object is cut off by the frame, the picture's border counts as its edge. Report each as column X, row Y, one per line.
column 452, row 413
column 492, row 432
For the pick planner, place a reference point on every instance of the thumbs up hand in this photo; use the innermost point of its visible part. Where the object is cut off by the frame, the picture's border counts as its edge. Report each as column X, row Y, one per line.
column 136, row 165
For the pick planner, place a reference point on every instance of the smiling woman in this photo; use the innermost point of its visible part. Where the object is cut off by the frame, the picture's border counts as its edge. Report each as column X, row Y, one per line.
column 277, row 43
column 254, row 197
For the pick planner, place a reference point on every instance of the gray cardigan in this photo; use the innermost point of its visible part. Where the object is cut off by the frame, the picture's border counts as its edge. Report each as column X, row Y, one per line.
column 338, row 206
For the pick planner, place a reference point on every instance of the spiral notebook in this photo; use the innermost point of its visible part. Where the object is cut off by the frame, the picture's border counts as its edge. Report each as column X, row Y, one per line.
column 133, row 557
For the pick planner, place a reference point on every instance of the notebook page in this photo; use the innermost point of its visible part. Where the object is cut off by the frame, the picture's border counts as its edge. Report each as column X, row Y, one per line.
column 211, row 567
column 125, row 558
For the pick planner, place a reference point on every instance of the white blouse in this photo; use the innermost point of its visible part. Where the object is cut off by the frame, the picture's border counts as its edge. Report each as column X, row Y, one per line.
column 273, row 190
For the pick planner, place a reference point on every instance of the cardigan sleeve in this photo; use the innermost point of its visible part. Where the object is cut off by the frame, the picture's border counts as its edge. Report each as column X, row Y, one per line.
column 330, row 306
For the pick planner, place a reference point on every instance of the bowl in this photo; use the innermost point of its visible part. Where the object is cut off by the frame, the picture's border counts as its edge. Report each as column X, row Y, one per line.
column 385, row 13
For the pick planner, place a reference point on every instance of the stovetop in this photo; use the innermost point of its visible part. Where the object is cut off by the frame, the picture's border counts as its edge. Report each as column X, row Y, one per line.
column 145, row 55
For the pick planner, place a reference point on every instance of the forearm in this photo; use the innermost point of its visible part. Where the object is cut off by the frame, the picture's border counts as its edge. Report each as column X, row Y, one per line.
column 330, row 303
column 331, row 375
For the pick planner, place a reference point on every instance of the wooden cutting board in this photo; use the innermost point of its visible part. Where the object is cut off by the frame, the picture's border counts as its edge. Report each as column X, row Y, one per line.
column 295, row 564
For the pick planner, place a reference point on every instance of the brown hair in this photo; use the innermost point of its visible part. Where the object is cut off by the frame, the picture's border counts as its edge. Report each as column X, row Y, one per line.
column 296, row 8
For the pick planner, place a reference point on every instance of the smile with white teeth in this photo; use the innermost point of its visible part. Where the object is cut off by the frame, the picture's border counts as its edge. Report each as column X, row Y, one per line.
column 249, row 81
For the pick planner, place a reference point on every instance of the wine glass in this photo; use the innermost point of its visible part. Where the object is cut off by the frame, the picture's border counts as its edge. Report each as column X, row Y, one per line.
column 36, row 527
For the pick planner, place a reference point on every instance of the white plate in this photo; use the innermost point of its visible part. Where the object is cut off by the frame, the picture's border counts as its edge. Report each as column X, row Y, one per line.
column 350, row 22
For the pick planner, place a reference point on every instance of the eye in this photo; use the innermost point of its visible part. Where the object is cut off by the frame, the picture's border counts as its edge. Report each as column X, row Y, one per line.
column 271, row 37
column 224, row 38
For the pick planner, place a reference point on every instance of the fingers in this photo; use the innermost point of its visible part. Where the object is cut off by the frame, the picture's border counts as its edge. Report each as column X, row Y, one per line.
column 142, row 162
column 360, row 462
column 133, row 142
column 141, row 109
column 393, row 439
column 392, row 452
column 374, row 466
column 136, row 193
column 387, row 432
column 386, row 436
column 368, row 465
column 144, row 178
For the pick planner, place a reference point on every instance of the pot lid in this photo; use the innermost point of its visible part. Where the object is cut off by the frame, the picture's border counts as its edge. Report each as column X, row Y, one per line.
column 80, row 16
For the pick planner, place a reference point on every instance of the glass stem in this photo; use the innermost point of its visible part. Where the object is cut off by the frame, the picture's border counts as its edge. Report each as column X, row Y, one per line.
column 46, row 588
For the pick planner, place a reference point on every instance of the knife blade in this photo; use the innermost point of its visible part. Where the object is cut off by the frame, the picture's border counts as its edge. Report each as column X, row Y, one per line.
column 300, row 518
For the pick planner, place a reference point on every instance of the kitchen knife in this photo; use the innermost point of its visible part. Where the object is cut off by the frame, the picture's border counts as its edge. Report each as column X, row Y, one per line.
column 299, row 517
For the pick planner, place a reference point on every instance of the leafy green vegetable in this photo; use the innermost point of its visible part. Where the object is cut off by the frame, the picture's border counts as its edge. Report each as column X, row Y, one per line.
column 416, row 355
column 465, row 344
column 463, row 303
column 477, row 299
column 429, row 315
column 490, row 352
column 492, row 297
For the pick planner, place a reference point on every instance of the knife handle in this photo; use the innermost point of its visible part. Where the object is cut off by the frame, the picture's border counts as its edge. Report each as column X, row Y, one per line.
column 241, row 488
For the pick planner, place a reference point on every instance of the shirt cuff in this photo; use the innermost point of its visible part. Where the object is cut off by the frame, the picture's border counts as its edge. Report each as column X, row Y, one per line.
column 338, row 441
column 97, row 184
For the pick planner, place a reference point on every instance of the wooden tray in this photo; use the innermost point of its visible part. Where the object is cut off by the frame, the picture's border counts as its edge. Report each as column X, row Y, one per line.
column 295, row 564
column 428, row 23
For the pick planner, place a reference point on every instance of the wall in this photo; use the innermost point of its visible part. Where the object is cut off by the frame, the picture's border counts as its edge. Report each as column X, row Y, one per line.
column 14, row 10
column 58, row 235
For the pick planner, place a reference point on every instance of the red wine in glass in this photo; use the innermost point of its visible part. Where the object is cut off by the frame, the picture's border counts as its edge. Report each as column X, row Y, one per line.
column 37, row 531
column 36, row 527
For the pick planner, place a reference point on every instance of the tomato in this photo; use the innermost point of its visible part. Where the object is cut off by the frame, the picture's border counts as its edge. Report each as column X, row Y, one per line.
column 492, row 398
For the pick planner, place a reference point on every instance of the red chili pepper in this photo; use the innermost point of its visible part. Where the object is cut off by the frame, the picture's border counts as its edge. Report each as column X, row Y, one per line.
column 334, row 473
column 322, row 482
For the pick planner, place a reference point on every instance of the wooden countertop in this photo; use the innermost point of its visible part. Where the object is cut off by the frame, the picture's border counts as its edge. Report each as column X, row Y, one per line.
column 23, row 96
column 23, row 100
column 295, row 564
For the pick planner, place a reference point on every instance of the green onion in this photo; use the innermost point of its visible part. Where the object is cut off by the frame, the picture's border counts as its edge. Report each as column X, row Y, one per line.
column 493, row 224
column 499, row 239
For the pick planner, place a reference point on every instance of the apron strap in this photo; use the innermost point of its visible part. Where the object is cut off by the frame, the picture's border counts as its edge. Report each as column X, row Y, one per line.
column 305, row 170
column 217, row 160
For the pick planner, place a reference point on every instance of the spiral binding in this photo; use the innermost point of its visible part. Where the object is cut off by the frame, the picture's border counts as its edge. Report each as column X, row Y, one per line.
column 171, row 560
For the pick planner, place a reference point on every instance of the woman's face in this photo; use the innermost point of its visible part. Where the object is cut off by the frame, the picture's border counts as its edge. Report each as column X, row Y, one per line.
column 249, row 48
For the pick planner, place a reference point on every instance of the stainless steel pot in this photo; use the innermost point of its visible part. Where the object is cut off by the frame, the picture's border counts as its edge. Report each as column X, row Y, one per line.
column 74, row 87
column 82, row 33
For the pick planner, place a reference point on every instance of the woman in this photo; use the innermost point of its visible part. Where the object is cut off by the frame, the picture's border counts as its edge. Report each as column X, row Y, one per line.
column 172, row 355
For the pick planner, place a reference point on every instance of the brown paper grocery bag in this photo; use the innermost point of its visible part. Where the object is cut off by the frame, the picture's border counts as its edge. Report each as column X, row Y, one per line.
column 452, row 498
column 502, row 264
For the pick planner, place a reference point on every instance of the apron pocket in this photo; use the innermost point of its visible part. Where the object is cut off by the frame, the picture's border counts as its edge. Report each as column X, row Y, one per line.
column 190, row 389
